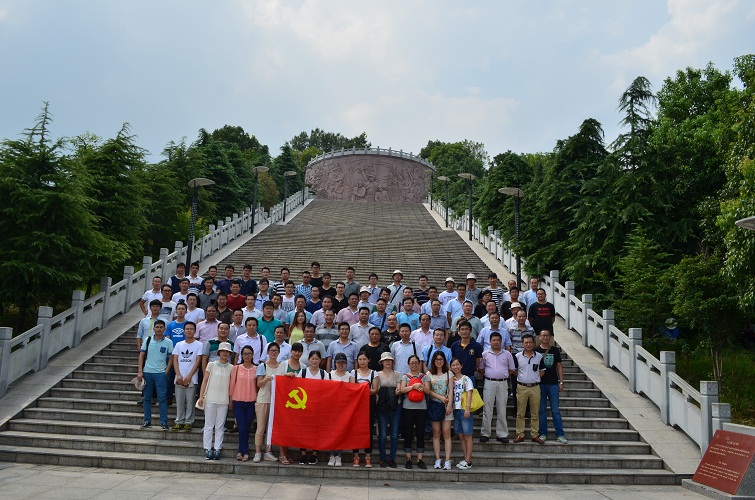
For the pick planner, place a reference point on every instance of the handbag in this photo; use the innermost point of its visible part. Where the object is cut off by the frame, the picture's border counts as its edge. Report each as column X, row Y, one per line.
column 198, row 405
column 436, row 411
column 476, row 401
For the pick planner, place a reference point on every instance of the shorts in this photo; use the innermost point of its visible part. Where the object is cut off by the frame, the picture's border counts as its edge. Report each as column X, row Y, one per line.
column 463, row 425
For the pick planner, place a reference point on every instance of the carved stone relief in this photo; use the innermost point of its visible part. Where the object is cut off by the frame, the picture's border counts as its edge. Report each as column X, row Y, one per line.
column 368, row 177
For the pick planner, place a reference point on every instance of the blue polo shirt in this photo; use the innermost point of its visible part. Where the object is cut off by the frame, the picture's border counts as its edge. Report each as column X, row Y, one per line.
column 468, row 355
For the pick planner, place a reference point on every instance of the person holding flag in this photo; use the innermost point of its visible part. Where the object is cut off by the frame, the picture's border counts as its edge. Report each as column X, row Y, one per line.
column 341, row 375
column 362, row 374
column 265, row 374
column 314, row 372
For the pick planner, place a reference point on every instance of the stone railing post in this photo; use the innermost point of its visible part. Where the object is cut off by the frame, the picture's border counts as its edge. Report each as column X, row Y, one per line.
column 236, row 227
column 551, row 291
column 709, row 395
column 43, row 318
column 179, row 252
column 105, row 284
column 497, row 239
column 587, row 306
column 569, row 285
column 165, row 273
column 668, row 365
column 128, row 274
column 635, row 340
column 146, row 265
column 721, row 414
column 213, row 237
column 6, row 335
column 608, row 321
column 77, row 302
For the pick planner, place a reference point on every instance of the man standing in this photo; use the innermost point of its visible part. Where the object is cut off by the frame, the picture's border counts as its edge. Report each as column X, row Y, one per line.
column 318, row 317
column 496, row 292
column 263, row 295
column 360, row 331
column 542, row 314
column 248, row 284
column 315, row 278
column 224, row 285
column 310, row 343
column 379, row 317
column 551, row 384
column 473, row 293
column 439, row 344
column 453, row 306
column 267, row 322
column 422, row 294
column 373, row 288
column 437, row 318
column 253, row 339
column 467, row 350
column 513, row 299
column 344, row 345
column 432, row 294
column 352, row 286
column 396, row 289
column 530, row 296
column 225, row 314
column 305, row 288
column 328, row 331
column 375, row 348
column 423, row 336
column 146, row 325
column 154, row 356
column 529, row 372
column 279, row 287
column 195, row 281
column 300, row 304
column 236, row 300
column 403, row 348
column 176, row 279
column 325, row 288
column 408, row 315
column 474, row 323
column 208, row 329
column 167, row 307
column 449, row 294
column 349, row 314
column 186, row 360
column 150, row 295
column 340, row 301
column 193, row 313
column 495, row 326
column 183, row 291
column 496, row 366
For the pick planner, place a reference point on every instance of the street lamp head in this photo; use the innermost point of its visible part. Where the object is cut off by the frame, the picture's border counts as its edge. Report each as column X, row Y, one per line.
column 747, row 223
column 289, row 173
column 259, row 169
column 200, row 182
column 512, row 191
column 467, row 176
column 443, row 178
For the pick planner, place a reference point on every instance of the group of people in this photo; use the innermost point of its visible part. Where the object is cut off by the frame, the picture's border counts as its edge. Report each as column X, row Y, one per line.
column 423, row 353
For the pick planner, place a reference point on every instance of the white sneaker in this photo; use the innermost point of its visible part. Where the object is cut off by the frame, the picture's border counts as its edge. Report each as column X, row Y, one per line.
column 269, row 457
column 332, row 461
column 462, row 465
column 447, row 465
column 338, row 462
column 257, row 458
column 437, row 464
column 543, row 437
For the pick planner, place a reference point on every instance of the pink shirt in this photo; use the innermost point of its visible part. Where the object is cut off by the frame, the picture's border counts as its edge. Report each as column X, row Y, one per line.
column 347, row 315
column 497, row 366
column 243, row 386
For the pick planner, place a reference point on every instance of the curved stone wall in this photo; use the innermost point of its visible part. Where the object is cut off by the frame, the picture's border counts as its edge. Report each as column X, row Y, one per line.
column 369, row 175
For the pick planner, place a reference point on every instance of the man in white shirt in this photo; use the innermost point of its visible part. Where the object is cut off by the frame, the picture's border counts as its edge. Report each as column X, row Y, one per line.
column 310, row 343
column 403, row 348
column 360, row 331
column 423, row 336
column 449, row 293
column 150, row 295
column 251, row 338
column 193, row 313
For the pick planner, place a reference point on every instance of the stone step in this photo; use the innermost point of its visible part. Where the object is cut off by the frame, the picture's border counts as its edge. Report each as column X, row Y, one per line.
column 151, row 442
column 135, row 417
column 104, row 430
column 514, row 474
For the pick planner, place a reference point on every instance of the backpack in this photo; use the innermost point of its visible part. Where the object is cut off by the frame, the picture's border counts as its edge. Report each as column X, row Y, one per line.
column 414, row 395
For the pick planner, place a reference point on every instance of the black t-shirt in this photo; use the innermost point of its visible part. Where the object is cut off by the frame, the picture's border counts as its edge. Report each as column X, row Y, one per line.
column 540, row 316
column 390, row 337
column 506, row 310
column 549, row 362
column 480, row 311
column 340, row 304
column 317, row 282
column 330, row 292
column 374, row 354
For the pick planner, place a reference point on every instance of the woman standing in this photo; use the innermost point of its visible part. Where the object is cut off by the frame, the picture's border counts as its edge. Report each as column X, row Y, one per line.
column 313, row 371
column 214, row 397
column 388, row 409
column 296, row 330
column 265, row 374
column 438, row 386
column 414, row 411
column 341, row 375
column 243, row 393
column 463, row 421
column 291, row 368
column 362, row 374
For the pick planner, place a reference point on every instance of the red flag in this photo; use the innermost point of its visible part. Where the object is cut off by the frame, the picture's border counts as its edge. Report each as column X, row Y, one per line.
column 320, row 414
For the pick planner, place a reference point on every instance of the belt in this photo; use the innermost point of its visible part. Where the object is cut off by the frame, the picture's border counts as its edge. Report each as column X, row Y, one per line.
column 528, row 385
column 495, row 379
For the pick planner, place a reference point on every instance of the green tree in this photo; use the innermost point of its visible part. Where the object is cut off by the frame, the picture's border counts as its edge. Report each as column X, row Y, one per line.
column 494, row 208
column 327, row 141
column 50, row 235
column 284, row 162
column 636, row 102
column 451, row 159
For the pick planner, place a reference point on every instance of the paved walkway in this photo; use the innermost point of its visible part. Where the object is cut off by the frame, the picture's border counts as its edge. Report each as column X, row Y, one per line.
column 18, row 481
column 678, row 451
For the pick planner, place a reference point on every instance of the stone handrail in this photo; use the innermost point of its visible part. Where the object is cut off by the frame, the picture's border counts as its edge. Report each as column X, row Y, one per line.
column 372, row 151
column 697, row 413
column 31, row 350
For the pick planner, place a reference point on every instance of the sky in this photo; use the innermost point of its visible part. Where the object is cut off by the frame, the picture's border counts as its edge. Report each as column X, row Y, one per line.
column 513, row 75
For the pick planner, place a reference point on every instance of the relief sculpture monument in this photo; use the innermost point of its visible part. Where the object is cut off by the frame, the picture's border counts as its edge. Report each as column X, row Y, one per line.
column 369, row 175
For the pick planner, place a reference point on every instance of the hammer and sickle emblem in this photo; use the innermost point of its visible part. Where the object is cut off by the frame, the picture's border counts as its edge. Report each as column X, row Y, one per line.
column 301, row 402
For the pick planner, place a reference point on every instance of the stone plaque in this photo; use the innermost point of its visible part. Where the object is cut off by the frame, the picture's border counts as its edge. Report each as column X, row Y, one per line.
column 727, row 464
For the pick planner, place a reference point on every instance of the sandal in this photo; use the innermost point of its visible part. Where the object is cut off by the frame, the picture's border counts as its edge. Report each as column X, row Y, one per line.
column 356, row 460
column 284, row 460
column 239, row 456
column 368, row 461
column 245, row 458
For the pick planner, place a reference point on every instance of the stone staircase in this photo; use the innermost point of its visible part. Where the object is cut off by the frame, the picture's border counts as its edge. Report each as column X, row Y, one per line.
column 91, row 418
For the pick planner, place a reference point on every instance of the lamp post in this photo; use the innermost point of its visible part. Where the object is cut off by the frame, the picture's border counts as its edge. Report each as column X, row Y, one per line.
column 518, row 194
column 286, row 175
column 257, row 170
column 445, row 180
column 469, row 177
column 432, row 176
column 195, row 184
column 747, row 223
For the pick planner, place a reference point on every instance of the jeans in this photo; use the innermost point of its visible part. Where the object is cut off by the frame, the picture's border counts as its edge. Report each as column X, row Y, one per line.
column 393, row 419
column 550, row 391
column 244, row 413
column 156, row 382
